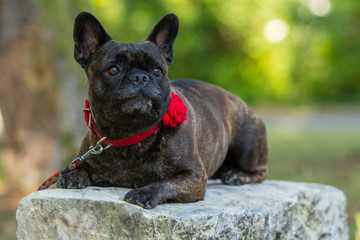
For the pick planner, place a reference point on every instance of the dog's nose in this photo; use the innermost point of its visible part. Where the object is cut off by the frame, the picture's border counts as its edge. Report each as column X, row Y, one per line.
column 139, row 78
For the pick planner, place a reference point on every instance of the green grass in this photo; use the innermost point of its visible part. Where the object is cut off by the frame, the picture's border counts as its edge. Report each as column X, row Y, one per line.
column 328, row 157
column 7, row 224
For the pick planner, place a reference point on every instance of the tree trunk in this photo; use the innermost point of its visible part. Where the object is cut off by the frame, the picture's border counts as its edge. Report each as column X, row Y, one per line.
column 29, row 96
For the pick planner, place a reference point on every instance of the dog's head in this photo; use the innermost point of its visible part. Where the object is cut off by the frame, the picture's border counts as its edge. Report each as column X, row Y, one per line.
column 127, row 82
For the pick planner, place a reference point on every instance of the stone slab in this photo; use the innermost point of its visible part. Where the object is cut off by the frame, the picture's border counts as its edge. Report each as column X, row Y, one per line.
column 270, row 210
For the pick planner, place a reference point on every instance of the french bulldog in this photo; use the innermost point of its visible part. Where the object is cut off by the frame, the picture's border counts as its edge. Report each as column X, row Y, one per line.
column 129, row 93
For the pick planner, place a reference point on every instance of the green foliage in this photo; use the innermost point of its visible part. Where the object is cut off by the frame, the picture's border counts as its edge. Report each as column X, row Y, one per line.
column 357, row 221
column 222, row 42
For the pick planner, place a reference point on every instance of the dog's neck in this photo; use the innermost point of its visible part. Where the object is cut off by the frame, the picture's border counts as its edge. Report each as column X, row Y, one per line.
column 118, row 136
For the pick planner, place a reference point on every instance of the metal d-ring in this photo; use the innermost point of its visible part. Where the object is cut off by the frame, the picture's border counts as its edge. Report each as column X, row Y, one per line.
column 98, row 148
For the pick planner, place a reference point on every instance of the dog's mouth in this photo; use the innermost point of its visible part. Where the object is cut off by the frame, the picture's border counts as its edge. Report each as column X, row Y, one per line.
column 132, row 108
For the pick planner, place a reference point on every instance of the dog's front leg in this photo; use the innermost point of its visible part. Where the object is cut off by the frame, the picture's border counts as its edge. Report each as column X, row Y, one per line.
column 185, row 186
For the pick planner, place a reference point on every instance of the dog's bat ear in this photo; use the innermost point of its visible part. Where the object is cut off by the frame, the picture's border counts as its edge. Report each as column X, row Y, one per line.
column 89, row 35
column 164, row 34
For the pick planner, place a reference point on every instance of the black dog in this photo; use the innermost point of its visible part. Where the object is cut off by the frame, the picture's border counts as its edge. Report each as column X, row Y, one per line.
column 129, row 93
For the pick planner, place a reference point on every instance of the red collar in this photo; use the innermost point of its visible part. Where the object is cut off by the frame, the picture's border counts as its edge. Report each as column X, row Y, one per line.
column 176, row 113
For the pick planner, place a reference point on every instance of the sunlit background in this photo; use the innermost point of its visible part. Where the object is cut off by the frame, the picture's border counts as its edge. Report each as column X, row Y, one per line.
column 295, row 62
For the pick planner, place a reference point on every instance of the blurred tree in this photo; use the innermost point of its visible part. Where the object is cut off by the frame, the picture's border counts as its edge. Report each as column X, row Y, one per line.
column 38, row 94
column 28, row 97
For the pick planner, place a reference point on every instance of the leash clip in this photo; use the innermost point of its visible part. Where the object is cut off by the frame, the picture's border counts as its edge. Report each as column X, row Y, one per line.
column 98, row 148
column 95, row 150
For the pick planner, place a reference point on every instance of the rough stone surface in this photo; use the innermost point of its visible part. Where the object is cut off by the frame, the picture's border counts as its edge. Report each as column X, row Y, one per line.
column 270, row 210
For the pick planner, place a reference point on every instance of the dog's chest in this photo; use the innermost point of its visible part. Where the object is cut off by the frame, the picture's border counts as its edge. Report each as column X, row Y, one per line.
column 128, row 168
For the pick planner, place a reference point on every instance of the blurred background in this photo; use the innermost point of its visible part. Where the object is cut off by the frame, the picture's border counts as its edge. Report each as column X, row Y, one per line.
column 295, row 62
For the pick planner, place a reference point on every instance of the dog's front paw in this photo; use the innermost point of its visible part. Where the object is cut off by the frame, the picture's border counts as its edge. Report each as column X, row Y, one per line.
column 145, row 197
column 74, row 179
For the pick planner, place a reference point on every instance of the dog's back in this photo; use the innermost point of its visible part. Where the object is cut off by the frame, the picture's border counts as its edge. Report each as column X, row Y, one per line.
column 238, row 150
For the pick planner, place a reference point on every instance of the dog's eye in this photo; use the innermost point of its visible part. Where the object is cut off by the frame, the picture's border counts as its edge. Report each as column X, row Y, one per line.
column 112, row 70
column 157, row 72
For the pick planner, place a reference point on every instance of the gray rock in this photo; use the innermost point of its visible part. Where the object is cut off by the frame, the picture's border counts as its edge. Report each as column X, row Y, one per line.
column 270, row 210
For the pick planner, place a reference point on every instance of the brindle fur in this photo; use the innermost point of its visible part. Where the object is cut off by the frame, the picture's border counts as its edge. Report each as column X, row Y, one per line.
column 222, row 137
